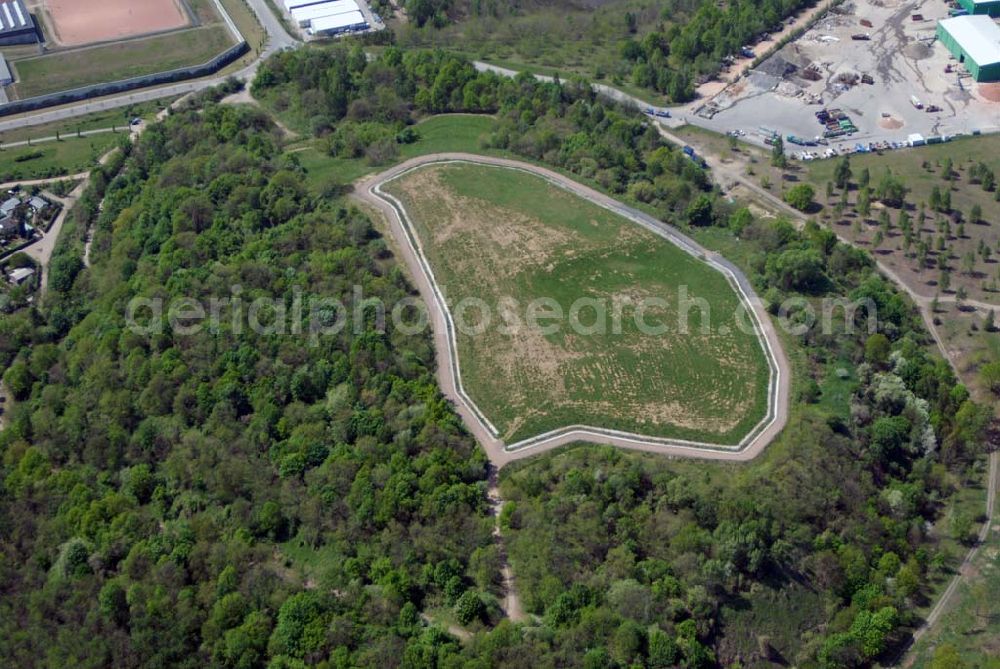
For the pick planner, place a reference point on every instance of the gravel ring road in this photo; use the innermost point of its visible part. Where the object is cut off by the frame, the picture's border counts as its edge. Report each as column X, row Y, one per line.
column 448, row 370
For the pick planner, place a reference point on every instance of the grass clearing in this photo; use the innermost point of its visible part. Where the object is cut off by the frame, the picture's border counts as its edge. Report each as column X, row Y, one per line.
column 111, row 118
column 52, row 159
column 493, row 233
column 921, row 170
column 438, row 134
column 72, row 69
column 908, row 165
column 971, row 346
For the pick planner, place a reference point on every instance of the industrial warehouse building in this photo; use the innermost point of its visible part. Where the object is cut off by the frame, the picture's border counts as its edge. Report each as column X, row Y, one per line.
column 339, row 23
column 975, row 42
column 292, row 4
column 305, row 16
column 330, row 17
column 988, row 7
column 16, row 24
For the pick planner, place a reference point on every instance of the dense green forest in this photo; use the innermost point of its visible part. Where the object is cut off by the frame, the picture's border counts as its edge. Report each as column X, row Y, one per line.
column 148, row 479
column 157, row 488
column 365, row 108
column 662, row 46
column 843, row 516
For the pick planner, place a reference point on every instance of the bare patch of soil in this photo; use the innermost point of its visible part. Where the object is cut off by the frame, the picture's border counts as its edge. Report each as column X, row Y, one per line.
column 989, row 92
column 890, row 123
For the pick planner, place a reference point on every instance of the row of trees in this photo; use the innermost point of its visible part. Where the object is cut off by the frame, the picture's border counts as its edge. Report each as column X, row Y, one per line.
column 564, row 124
column 667, row 48
column 934, row 234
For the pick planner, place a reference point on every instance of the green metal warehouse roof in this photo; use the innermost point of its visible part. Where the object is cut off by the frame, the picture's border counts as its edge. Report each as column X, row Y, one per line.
column 978, row 36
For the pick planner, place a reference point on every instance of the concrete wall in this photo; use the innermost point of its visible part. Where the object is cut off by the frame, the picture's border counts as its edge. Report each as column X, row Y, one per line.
column 112, row 87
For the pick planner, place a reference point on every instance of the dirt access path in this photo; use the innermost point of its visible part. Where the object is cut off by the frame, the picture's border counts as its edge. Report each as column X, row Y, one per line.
column 761, row 49
column 965, row 569
column 41, row 251
column 449, row 374
column 511, row 600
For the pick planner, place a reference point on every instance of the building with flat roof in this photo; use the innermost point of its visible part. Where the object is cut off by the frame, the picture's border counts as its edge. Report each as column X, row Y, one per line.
column 292, row 4
column 975, row 42
column 17, row 26
column 339, row 23
column 988, row 7
column 305, row 16
column 6, row 77
column 20, row 275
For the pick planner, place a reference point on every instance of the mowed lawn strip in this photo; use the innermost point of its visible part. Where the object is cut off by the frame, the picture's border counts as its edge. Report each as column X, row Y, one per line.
column 496, row 233
column 72, row 69
column 50, row 159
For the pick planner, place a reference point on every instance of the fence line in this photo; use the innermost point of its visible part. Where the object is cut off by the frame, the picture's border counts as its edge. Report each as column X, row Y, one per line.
column 110, row 88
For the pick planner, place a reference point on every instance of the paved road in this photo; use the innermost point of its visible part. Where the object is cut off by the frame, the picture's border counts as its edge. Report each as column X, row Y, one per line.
column 277, row 39
column 449, row 374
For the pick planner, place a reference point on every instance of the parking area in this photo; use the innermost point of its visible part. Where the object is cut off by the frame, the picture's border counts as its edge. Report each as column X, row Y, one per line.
column 871, row 73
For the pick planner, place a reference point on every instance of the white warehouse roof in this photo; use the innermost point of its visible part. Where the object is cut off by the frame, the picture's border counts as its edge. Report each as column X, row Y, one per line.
column 14, row 16
column 978, row 35
column 292, row 4
column 304, row 15
column 353, row 19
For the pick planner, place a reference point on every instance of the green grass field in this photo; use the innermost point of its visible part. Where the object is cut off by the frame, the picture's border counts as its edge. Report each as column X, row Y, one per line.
column 445, row 133
column 908, row 165
column 71, row 69
column 51, row 159
column 493, row 233
column 105, row 119
column 921, row 170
